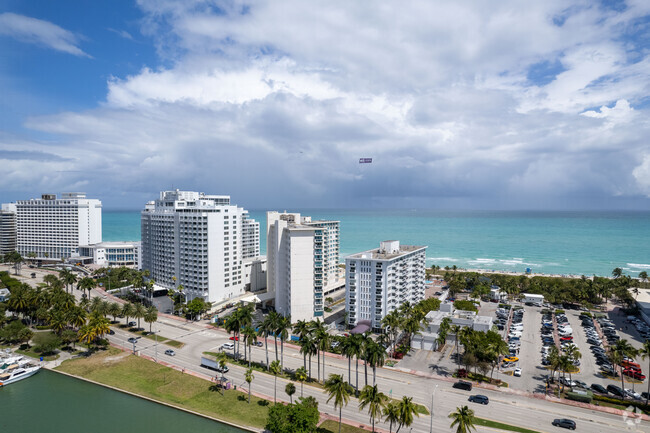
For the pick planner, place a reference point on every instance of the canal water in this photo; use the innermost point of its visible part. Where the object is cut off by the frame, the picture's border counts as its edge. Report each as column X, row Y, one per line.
column 54, row 403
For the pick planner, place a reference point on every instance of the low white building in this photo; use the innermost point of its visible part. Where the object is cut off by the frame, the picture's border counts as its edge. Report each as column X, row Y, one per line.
column 254, row 274
column 4, row 295
column 533, row 299
column 496, row 294
column 112, row 254
column 427, row 338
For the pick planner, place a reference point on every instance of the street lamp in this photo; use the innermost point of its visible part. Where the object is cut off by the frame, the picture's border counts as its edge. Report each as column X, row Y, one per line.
column 432, row 394
column 156, row 345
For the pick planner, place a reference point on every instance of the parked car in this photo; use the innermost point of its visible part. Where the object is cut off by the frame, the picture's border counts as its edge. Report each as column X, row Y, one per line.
column 616, row 390
column 599, row 388
column 511, row 359
column 634, row 374
column 517, row 372
column 479, row 399
column 565, row 423
column 132, row 324
column 462, row 384
column 633, row 394
column 227, row 346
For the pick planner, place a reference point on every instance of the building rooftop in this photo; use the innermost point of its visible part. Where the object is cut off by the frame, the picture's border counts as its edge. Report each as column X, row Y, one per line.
column 380, row 254
column 114, row 244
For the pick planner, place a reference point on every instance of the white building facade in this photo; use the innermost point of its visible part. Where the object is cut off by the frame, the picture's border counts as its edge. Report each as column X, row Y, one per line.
column 7, row 228
column 113, row 254
column 196, row 240
column 379, row 281
column 302, row 263
column 54, row 228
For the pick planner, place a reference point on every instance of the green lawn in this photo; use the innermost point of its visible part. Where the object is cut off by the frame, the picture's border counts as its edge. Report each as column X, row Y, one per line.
column 330, row 426
column 501, row 426
column 115, row 368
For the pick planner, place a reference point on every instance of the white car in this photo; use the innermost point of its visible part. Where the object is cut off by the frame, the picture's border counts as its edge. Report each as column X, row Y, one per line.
column 633, row 394
column 517, row 372
column 228, row 346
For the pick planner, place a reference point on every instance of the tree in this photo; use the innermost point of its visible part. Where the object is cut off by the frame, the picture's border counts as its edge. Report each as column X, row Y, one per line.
column 375, row 356
column 302, row 417
column 321, row 340
column 463, row 419
column 275, row 370
column 339, row 390
column 151, row 316
column 621, row 349
column 455, row 329
column 282, row 330
column 374, row 400
column 301, row 376
column 86, row 283
column 391, row 414
column 139, row 312
column 196, row 307
column 574, row 354
column 644, row 352
column 16, row 259
column 114, row 310
column 68, row 278
column 127, row 311
column 248, row 376
column 643, row 276
column 406, row 411
column 265, row 330
column 617, row 272
column 356, row 348
column 250, row 338
column 290, row 389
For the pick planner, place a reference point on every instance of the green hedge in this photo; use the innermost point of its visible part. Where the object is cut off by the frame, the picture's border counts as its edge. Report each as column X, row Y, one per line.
column 640, row 404
column 559, row 311
column 465, row 305
column 579, row 397
column 585, row 314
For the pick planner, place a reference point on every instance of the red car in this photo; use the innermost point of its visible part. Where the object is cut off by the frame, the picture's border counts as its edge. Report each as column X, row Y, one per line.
column 566, row 338
column 234, row 338
column 634, row 374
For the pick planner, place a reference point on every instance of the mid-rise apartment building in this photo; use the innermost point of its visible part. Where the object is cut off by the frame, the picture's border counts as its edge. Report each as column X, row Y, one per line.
column 54, row 228
column 380, row 280
column 302, row 263
column 195, row 240
column 7, row 228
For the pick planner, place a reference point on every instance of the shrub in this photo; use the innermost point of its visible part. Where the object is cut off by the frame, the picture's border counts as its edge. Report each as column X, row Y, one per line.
column 559, row 311
column 585, row 314
column 584, row 398
column 46, row 342
column 640, row 404
column 465, row 305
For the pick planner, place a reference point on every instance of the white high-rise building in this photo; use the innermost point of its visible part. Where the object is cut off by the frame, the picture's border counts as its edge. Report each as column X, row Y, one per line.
column 197, row 241
column 250, row 237
column 302, row 259
column 54, row 228
column 379, row 281
column 7, row 228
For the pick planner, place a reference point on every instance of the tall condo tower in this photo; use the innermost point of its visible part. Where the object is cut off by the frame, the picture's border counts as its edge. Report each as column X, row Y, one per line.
column 302, row 263
column 7, row 228
column 54, row 228
column 379, row 281
column 197, row 241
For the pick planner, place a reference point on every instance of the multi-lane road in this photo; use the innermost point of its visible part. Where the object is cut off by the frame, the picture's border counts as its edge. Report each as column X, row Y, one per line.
column 513, row 409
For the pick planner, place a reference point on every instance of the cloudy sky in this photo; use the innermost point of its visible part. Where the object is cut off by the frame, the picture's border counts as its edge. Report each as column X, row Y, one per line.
column 464, row 104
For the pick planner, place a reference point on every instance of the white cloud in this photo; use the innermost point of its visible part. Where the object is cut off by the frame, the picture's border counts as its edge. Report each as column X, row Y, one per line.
column 275, row 103
column 642, row 175
column 40, row 32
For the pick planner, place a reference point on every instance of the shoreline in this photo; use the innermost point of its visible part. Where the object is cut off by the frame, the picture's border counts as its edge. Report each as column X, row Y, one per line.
column 230, row 424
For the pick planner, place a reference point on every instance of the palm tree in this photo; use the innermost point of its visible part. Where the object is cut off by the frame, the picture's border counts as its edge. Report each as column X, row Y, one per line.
column 232, row 325
column 308, row 348
column 406, row 411
column 139, row 312
column 391, row 323
column 620, row 350
column 222, row 359
column 463, row 419
column 339, row 390
column 265, row 329
column 347, row 350
column 644, row 352
column 68, row 278
column 275, row 319
column 151, row 316
column 455, row 329
column 275, row 370
column 127, row 311
column 86, row 283
column 321, row 340
column 375, row 400
column 391, row 414
column 375, row 356
column 114, row 310
column 617, row 272
column 99, row 324
column 76, row 316
column 250, row 338
column 248, row 376
column 356, row 348
column 282, row 331
column 574, row 354
column 301, row 376
column 58, row 321
column 290, row 389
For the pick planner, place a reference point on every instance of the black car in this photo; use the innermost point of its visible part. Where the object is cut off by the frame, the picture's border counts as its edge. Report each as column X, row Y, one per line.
column 564, row 422
column 133, row 340
column 479, row 399
column 598, row 388
column 616, row 390
column 461, row 384
column 131, row 324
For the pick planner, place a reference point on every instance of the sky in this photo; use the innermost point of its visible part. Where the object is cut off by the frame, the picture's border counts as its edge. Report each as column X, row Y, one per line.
column 460, row 105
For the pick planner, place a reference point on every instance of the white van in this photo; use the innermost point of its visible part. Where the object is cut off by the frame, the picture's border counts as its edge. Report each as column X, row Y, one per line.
column 228, row 346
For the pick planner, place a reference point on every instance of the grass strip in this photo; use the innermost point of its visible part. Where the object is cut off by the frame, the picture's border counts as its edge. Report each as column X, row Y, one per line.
column 329, row 426
column 501, row 426
column 146, row 378
column 30, row 352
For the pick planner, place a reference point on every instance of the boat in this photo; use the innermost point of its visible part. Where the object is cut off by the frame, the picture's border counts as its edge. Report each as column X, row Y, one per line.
column 16, row 374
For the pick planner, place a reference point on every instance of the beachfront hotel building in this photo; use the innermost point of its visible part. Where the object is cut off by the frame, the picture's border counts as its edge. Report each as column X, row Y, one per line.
column 112, row 254
column 302, row 263
column 7, row 228
column 198, row 241
column 53, row 228
column 380, row 280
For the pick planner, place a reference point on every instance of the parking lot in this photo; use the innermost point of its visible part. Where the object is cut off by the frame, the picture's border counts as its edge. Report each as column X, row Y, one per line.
column 533, row 373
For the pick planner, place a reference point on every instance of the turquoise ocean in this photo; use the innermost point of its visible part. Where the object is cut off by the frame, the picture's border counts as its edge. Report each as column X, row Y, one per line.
column 579, row 243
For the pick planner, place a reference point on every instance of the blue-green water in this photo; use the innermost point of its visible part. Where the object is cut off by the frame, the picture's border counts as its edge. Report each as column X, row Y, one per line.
column 547, row 242
column 54, row 403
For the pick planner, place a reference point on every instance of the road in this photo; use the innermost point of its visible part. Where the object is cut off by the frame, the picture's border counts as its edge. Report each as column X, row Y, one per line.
column 513, row 409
